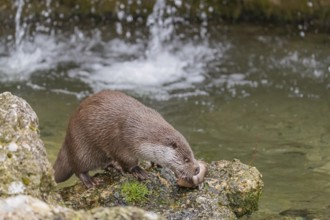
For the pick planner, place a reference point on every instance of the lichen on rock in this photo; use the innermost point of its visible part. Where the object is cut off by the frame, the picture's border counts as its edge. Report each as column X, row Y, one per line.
column 24, row 167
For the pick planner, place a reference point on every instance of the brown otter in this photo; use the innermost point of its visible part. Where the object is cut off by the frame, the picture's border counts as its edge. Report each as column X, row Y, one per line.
column 112, row 128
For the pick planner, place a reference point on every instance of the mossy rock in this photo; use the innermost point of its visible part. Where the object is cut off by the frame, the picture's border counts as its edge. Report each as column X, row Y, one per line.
column 230, row 190
column 24, row 167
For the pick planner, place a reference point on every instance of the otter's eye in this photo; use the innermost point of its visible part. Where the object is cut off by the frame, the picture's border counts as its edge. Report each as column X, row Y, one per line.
column 174, row 145
column 186, row 160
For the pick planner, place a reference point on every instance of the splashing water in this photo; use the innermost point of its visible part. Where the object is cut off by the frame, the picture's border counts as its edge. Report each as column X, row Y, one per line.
column 167, row 63
column 26, row 55
column 161, row 64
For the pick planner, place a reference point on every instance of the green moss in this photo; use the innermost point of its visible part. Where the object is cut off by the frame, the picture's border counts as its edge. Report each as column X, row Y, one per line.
column 244, row 204
column 251, row 202
column 34, row 128
column 134, row 192
column 26, row 181
column 9, row 155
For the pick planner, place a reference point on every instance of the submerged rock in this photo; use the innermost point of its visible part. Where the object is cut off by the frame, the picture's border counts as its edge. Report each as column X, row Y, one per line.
column 27, row 207
column 24, row 167
column 230, row 190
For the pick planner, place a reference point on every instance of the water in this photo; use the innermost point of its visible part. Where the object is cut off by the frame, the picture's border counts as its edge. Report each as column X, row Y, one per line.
column 257, row 94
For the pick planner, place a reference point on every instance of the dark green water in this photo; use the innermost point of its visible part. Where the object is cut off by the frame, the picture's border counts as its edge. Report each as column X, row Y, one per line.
column 265, row 100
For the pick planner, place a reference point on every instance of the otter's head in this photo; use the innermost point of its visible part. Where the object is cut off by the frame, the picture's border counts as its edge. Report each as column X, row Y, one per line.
column 183, row 162
column 172, row 151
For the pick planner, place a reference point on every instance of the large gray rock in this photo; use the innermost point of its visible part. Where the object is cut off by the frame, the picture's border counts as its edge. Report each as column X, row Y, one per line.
column 24, row 167
column 27, row 207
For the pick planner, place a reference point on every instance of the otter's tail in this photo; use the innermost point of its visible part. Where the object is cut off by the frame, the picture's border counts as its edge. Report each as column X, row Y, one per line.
column 62, row 168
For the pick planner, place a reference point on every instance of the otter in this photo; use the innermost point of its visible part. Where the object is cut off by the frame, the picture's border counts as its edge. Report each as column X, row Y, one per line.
column 112, row 128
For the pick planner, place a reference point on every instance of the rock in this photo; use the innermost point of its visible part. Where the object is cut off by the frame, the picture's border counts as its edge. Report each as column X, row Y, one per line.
column 231, row 190
column 24, row 167
column 240, row 186
column 123, row 213
column 27, row 207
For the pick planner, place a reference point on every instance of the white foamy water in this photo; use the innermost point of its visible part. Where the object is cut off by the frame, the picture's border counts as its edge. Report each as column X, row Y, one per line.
column 165, row 70
column 119, row 65
column 165, row 63
column 18, row 64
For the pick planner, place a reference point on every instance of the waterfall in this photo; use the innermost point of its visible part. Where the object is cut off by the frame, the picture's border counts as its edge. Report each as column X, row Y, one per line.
column 19, row 27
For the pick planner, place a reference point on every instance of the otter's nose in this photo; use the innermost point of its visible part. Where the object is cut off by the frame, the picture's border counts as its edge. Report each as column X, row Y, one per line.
column 197, row 171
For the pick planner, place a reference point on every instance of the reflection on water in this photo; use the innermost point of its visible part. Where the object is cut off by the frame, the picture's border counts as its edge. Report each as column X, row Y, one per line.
column 258, row 95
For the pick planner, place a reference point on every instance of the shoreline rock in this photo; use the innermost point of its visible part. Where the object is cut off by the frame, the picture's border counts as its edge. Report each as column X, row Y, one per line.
column 27, row 207
column 230, row 190
column 24, row 168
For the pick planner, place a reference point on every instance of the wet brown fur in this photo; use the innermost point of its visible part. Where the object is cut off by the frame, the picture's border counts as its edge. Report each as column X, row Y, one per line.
column 111, row 127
